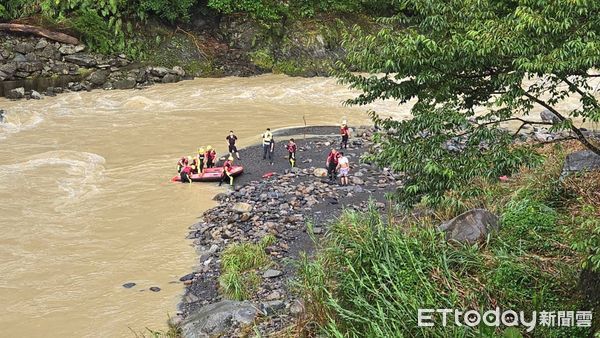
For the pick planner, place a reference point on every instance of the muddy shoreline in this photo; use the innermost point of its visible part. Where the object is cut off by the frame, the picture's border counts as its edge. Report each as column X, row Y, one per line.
column 288, row 205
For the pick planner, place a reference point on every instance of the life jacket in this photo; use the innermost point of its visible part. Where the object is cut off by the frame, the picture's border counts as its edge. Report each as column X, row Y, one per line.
column 333, row 158
column 228, row 166
column 267, row 137
column 344, row 131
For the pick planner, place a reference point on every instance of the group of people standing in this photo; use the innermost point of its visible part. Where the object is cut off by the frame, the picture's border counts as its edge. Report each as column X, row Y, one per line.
column 207, row 158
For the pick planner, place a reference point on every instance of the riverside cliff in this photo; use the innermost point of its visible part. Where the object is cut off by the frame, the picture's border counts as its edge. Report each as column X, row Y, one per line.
column 209, row 46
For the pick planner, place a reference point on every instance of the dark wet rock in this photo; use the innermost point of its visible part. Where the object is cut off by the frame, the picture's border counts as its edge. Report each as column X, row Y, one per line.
column 548, row 116
column 124, row 84
column 470, row 227
column 189, row 276
column 585, row 160
column 154, row 289
column 170, row 78
column 99, row 77
column 129, row 285
column 84, row 60
column 215, row 319
column 17, row 93
column 29, row 67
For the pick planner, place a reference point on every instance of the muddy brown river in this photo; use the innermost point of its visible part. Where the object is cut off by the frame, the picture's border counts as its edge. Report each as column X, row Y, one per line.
column 86, row 202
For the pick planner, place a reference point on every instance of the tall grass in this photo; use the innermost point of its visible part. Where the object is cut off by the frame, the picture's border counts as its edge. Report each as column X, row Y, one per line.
column 239, row 261
column 370, row 276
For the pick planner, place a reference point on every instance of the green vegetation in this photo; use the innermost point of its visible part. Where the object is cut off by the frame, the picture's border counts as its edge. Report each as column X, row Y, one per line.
column 239, row 263
column 451, row 57
column 370, row 275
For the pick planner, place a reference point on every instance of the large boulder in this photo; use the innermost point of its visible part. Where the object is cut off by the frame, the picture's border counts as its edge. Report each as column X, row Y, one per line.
column 15, row 94
column 242, row 207
column 9, row 69
column 548, row 116
column 99, row 77
column 215, row 319
column 124, row 84
column 159, row 71
column 470, row 227
column 585, row 160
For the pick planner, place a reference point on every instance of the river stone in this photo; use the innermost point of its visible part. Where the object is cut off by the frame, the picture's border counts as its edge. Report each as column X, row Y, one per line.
column 241, row 207
column 470, row 227
column 15, row 94
column 357, row 181
column 99, row 77
column 19, row 58
column 320, row 172
column 50, row 52
column 220, row 196
column 8, row 68
column 159, row 71
column 271, row 307
column 83, row 60
column 548, row 116
column 124, row 84
column 3, row 76
column 215, row 319
column 71, row 49
column 585, row 160
column 271, row 273
column 41, row 44
column 35, row 95
column 170, row 78
column 189, row 276
column 154, row 288
column 179, row 71
column 128, row 285
column 24, row 47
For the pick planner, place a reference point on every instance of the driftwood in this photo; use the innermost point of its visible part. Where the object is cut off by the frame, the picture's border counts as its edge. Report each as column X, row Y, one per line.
column 56, row 36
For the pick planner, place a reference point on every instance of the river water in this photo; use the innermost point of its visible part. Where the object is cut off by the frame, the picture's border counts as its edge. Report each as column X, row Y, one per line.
column 86, row 203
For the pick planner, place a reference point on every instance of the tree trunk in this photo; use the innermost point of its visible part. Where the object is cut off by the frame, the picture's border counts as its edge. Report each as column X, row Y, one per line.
column 56, row 36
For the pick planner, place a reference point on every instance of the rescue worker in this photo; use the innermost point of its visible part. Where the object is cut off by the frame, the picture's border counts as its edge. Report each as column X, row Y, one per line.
column 185, row 174
column 331, row 163
column 231, row 138
column 227, row 169
column 345, row 135
column 201, row 159
column 210, row 157
column 193, row 163
column 181, row 163
column 268, row 143
column 291, row 148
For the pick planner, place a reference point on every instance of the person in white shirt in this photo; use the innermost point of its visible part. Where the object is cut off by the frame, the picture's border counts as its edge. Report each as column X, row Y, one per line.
column 344, row 169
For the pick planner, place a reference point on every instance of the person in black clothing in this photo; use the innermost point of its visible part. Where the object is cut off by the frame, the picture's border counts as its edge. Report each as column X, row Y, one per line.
column 231, row 138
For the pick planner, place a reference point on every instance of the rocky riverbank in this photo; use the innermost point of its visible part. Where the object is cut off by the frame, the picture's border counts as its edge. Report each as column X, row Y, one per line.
column 31, row 67
column 293, row 206
column 210, row 46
